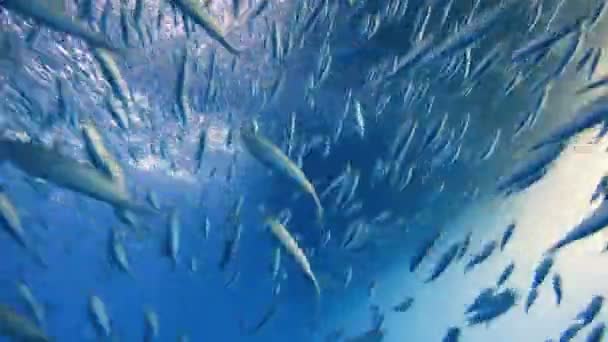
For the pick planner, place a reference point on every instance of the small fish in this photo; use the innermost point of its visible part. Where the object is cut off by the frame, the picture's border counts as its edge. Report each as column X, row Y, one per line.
column 270, row 155
column 291, row 246
column 489, row 151
column 557, row 288
column 444, row 261
column 183, row 80
column 99, row 154
column 405, row 305
column 153, row 200
column 483, row 297
column 589, row 226
column 483, row 255
column 112, row 74
column 537, row 165
column 11, row 221
column 276, row 263
column 507, row 235
column 591, row 311
column 595, row 61
column 173, row 240
column 152, row 325
column 585, row 58
column 531, row 299
column 544, row 41
column 206, row 228
column 348, row 277
column 359, row 117
column 571, row 332
column 272, row 310
column 423, row 251
column 541, row 271
column 464, row 246
column 506, row 274
column 119, row 252
column 100, row 316
column 37, row 309
column 202, row 17
column 494, row 306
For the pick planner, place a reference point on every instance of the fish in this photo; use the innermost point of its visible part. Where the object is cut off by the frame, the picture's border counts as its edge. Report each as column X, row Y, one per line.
column 541, row 271
column 495, row 305
column 118, row 113
column 590, row 225
column 40, row 162
column 11, row 221
column 173, row 240
column 585, row 58
column 531, row 299
column 483, row 297
column 485, row 63
column 507, row 235
column 202, row 145
column 100, row 316
column 348, row 277
column 19, row 328
column 404, row 305
column 152, row 325
column 112, row 74
column 206, row 228
column 99, row 155
column 590, row 312
column 595, row 61
column 270, row 155
column 571, row 332
column 34, row 306
column 464, row 246
column 183, row 79
column 557, row 288
column 585, row 118
column 483, row 255
column 505, row 275
column 276, row 264
column 270, row 312
column 470, row 33
column 444, row 261
column 119, row 252
column 291, row 246
column 200, row 15
column 43, row 12
column 423, row 251
column 544, row 41
column 528, row 169
column 489, row 151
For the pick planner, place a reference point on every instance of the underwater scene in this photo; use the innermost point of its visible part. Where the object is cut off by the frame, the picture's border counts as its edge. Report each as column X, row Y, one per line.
column 303, row 170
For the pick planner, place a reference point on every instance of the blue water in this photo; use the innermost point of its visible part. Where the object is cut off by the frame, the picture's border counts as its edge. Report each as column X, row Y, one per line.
column 72, row 232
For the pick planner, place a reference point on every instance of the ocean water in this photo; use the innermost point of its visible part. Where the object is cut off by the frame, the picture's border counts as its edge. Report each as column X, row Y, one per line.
column 407, row 118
